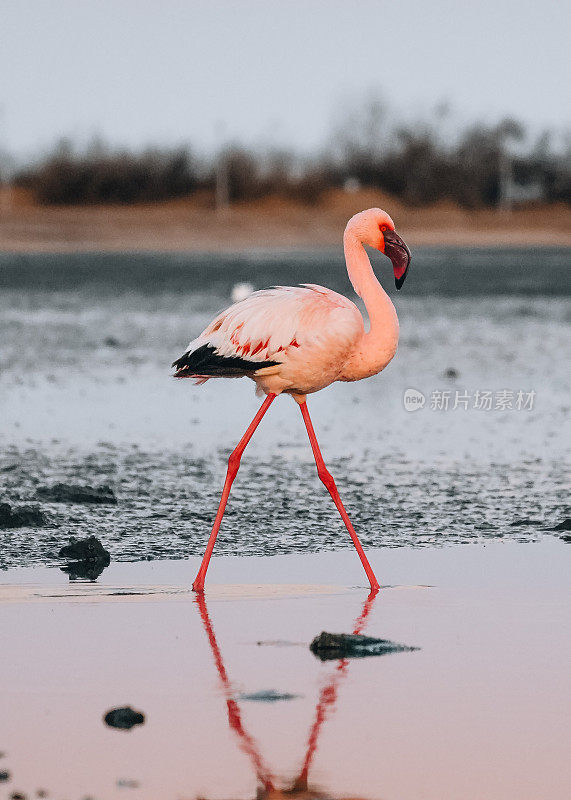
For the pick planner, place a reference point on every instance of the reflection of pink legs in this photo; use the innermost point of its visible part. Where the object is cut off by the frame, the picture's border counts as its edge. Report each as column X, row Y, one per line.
column 234, row 717
column 233, row 465
column 327, row 479
column 328, row 697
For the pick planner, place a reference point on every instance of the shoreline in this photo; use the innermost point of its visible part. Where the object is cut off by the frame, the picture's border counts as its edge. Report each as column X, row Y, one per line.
column 192, row 225
column 451, row 565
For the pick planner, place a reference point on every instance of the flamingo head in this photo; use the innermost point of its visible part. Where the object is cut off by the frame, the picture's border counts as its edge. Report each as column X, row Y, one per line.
column 375, row 228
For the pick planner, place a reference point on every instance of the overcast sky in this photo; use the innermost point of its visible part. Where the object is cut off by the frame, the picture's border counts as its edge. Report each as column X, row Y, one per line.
column 170, row 71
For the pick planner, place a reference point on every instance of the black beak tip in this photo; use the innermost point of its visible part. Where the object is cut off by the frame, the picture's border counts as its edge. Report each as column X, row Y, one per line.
column 399, row 254
column 399, row 281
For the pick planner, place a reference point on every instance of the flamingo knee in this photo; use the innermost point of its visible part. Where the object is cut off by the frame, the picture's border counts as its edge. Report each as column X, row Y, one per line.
column 326, row 478
column 234, row 463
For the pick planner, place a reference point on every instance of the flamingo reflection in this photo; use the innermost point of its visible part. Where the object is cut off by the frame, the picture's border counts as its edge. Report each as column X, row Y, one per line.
column 325, row 706
column 328, row 697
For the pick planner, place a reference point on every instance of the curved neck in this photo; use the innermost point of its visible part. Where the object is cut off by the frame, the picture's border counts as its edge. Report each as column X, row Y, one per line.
column 379, row 307
column 378, row 346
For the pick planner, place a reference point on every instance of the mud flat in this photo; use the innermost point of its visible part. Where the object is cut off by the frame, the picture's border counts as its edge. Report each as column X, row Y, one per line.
column 479, row 709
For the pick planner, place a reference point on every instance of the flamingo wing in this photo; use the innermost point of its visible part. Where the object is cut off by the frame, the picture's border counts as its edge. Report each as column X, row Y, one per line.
column 258, row 332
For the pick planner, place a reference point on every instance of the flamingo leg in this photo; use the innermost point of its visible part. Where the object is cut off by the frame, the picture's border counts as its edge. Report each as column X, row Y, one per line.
column 326, row 478
column 328, row 698
column 247, row 742
column 233, row 465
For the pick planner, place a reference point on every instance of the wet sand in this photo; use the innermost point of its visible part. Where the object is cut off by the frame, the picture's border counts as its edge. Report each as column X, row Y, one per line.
column 193, row 225
column 479, row 711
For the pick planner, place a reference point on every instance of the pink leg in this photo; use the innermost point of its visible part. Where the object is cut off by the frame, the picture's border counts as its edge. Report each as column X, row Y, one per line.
column 327, row 479
column 233, row 464
column 328, row 698
column 248, row 744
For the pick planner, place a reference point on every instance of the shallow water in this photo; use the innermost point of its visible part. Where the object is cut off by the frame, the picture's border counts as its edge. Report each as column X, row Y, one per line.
column 85, row 395
column 479, row 710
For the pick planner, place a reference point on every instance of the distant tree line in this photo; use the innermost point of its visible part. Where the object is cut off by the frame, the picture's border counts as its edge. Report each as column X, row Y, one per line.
column 416, row 163
column 101, row 175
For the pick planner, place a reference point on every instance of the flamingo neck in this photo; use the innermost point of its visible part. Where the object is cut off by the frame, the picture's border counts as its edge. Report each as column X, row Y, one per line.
column 380, row 342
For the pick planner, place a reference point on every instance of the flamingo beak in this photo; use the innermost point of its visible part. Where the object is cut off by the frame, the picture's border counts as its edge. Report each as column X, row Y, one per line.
column 399, row 254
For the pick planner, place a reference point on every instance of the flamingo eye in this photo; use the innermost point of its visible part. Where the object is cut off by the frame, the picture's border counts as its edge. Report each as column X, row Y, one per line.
column 383, row 227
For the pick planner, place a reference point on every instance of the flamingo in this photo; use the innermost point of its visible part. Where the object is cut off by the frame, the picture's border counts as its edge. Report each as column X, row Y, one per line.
column 297, row 340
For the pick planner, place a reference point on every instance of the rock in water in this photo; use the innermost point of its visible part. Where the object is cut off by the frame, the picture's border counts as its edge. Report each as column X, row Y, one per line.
column 127, row 783
column 70, row 493
column 268, row 696
column 21, row 516
column 327, row 646
column 124, row 718
column 563, row 526
column 88, row 550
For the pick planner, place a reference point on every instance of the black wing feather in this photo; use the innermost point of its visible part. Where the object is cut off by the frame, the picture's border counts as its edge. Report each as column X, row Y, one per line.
column 205, row 361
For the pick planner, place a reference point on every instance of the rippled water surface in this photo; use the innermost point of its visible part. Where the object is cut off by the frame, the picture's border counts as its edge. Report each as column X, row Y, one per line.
column 85, row 396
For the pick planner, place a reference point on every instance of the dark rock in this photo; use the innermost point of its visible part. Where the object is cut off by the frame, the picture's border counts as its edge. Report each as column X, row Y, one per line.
column 327, row 646
column 21, row 516
column 566, row 537
column 563, row 526
column 268, row 696
column 88, row 551
column 111, row 341
column 4, row 776
column 519, row 523
column 71, row 493
column 123, row 718
column 451, row 373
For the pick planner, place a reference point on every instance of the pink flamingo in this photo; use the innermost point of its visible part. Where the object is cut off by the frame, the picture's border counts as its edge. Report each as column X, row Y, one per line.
column 298, row 340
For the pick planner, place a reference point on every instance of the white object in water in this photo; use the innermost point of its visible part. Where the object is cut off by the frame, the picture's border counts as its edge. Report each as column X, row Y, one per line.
column 240, row 291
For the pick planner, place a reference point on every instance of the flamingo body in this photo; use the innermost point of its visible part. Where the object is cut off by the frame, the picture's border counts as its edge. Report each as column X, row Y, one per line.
column 298, row 340
column 287, row 339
